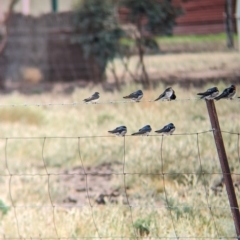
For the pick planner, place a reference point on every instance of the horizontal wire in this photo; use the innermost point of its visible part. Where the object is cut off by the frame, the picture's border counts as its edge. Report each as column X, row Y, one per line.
column 132, row 206
column 101, row 102
column 108, row 136
column 116, row 237
column 113, row 136
column 112, row 173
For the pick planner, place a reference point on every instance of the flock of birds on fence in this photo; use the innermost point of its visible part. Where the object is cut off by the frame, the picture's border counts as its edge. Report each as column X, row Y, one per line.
column 168, row 94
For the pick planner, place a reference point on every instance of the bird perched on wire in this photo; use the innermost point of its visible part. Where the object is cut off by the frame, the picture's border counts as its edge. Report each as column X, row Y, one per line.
column 119, row 131
column 211, row 93
column 168, row 94
column 167, row 130
column 144, row 130
column 228, row 93
column 94, row 98
column 135, row 96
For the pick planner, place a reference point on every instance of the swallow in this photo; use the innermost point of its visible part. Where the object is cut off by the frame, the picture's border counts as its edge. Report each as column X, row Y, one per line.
column 94, row 98
column 168, row 94
column 119, row 131
column 211, row 93
column 135, row 96
column 144, row 130
column 227, row 93
column 167, row 130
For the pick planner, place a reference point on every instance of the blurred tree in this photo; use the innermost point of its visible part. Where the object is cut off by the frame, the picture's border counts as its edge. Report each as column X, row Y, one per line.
column 151, row 18
column 98, row 33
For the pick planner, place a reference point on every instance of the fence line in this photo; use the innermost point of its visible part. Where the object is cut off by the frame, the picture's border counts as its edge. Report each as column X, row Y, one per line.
column 53, row 206
column 103, row 102
column 112, row 136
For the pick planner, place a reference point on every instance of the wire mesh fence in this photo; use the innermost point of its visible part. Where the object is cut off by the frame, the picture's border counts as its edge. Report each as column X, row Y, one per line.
column 147, row 198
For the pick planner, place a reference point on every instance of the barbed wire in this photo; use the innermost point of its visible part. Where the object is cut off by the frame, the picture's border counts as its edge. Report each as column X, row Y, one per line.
column 131, row 205
column 102, row 102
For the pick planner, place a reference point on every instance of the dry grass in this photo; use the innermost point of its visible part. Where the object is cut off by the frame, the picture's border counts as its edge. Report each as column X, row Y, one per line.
column 186, row 193
column 186, row 65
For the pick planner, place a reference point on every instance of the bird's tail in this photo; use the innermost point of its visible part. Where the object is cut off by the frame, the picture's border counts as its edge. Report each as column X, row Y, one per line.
column 157, row 99
column 126, row 97
column 137, row 133
column 111, row 131
column 173, row 97
column 218, row 97
column 159, row 131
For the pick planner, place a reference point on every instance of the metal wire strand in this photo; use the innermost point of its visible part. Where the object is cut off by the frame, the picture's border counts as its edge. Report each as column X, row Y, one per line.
column 87, row 189
column 165, row 190
column 125, row 187
column 48, row 187
column 205, row 188
column 62, row 104
column 10, row 191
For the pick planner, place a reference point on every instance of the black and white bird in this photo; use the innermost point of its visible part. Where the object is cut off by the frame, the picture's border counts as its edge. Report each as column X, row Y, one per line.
column 211, row 93
column 228, row 93
column 167, row 130
column 119, row 131
column 94, row 98
column 144, row 131
column 135, row 96
column 168, row 94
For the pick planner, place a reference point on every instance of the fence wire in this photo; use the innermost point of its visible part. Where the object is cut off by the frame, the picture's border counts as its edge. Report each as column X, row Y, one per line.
column 52, row 104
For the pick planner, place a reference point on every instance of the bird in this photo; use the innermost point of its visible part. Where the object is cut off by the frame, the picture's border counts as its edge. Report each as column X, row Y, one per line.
column 167, row 130
column 135, row 96
column 227, row 93
column 168, row 94
column 144, row 130
column 211, row 93
column 119, row 131
column 94, row 98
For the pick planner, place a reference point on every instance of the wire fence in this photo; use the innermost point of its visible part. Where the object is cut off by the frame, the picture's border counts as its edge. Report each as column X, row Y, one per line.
column 137, row 233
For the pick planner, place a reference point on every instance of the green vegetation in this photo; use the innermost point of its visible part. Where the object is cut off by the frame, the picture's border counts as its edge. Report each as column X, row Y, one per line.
column 3, row 208
column 99, row 33
column 193, row 38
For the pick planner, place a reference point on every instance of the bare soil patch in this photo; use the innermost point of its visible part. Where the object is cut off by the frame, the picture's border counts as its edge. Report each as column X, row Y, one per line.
column 92, row 185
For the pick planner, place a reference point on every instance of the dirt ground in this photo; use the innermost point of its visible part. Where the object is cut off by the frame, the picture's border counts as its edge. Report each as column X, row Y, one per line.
column 92, row 185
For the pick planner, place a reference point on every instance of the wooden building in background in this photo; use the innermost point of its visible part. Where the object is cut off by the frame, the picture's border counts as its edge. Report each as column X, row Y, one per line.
column 200, row 17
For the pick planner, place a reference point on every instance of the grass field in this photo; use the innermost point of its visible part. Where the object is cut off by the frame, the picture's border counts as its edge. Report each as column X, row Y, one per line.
column 186, row 68
column 183, row 211
column 191, row 43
